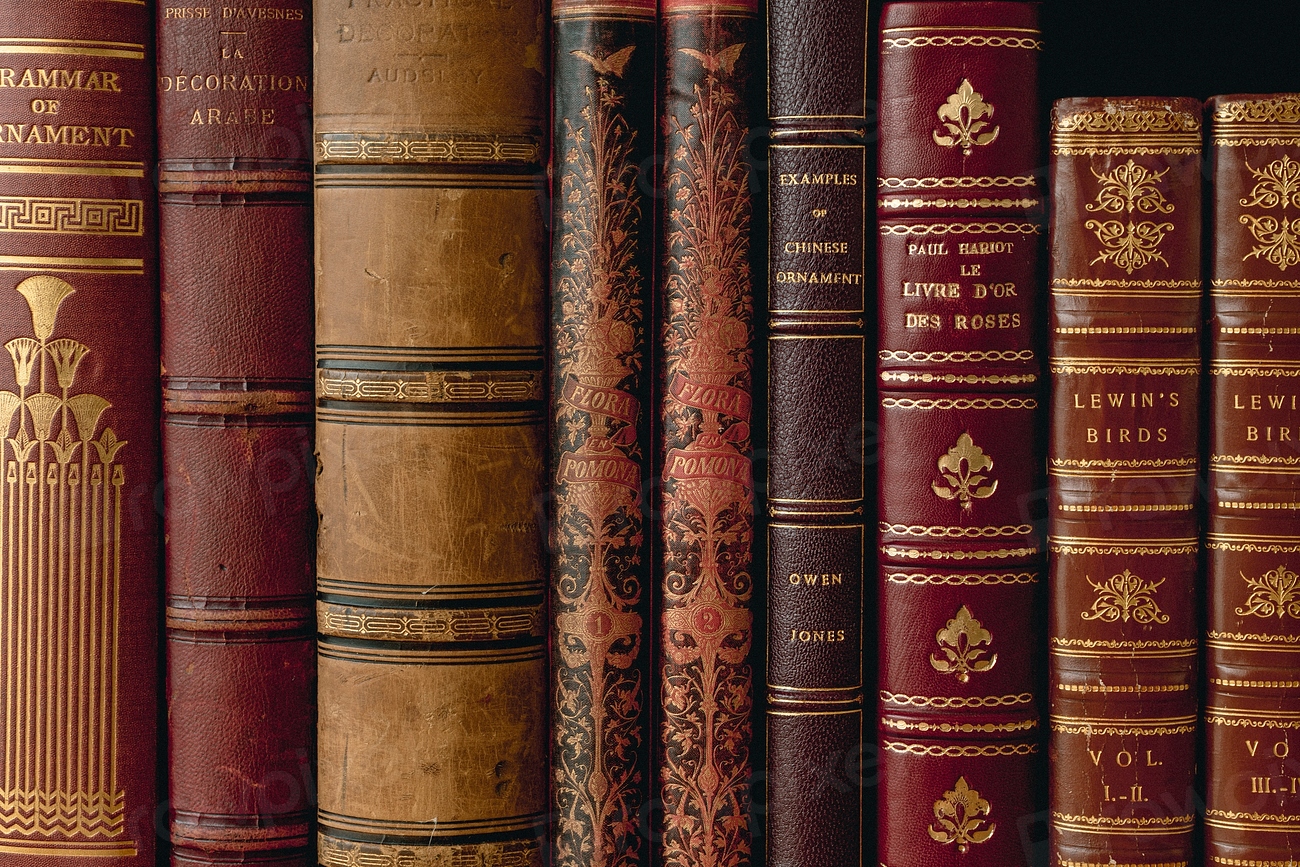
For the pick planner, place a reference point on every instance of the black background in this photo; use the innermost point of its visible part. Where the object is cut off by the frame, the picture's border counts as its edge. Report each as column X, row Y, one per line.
column 1194, row 48
column 1162, row 48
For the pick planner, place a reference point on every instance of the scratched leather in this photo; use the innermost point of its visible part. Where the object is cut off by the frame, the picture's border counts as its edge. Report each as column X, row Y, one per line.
column 431, row 323
column 960, row 376
column 234, row 100
column 1124, row 507
column 1254, row 342
column 247, row 319
column 105, row 221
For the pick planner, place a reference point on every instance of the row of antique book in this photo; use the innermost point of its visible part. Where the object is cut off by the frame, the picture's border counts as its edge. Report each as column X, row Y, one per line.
column 515, row 625
column 1156, row 560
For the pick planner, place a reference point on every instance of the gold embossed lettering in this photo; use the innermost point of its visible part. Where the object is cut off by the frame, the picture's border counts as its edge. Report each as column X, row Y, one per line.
column 986, row 248
column 816, row 247
column 825, row 579
column 931, row 290
column 995, row 290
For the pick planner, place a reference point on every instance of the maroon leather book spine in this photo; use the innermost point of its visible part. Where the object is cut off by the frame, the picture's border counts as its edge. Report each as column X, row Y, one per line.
column 79, row 460
column 959, row 201
column 1252, row 704
column 817, row 476
column 1123, row 533
column 234, row 127
column 706, row 328
column 601, row 268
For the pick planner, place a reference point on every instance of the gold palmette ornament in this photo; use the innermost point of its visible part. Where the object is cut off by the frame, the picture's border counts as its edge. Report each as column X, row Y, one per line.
column 60, row 536
column 961, row 817
column 962, row 468
column 965, row 645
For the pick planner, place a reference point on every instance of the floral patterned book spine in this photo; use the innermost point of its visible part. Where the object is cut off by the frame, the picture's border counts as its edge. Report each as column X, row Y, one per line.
column 706, row 298
column 600, row 567
column 79, row 444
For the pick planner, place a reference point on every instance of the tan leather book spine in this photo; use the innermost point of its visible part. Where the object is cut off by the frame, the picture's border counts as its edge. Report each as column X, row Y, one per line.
column 431, row 323
column 1123, row 461
column 706, row 329
column 79, row 539
column 1252, row 695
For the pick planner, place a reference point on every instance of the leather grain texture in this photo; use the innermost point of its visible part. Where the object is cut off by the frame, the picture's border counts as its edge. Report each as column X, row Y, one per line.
column 602, row 267
column 1252, row 703
column 704, row 447
column 234, row 109
column 960, row 548
column 1123, row 459
column 431, row 323
column 79, row 402
column 817, row 463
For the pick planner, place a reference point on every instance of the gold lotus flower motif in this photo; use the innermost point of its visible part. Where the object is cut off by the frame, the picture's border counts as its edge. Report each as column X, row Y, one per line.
column 44, row 294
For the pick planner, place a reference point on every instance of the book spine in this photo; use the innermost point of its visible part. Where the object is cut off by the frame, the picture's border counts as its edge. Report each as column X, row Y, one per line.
column 817, row 479
column 705, row 450
column 431, row 326
column 602, row 264
column 960, row 547
column 79, row 402
column 234, row 122
column 1252, row 705
column 1123, row 535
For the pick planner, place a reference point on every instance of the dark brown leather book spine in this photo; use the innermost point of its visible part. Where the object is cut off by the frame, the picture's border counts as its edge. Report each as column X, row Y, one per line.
column 1252, row 705
column 234, row 146
column 959, row 199
column 431, row 328
column 705, row 452
column 817, row 479
column 1123, row 533
column 79, row 462
column 601, row 271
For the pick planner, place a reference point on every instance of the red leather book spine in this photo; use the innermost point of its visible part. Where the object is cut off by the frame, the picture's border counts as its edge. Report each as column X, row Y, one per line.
column 960, row 550
column 601, row 266
column 706, row 290
column 1123, row 533
column 817, row 477
column 79, row 402
column 1252, row 704
column 234, row 127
